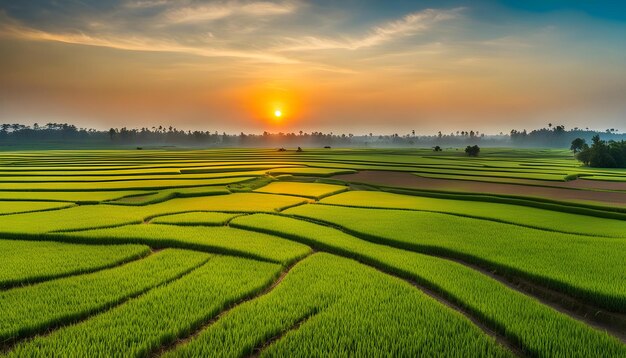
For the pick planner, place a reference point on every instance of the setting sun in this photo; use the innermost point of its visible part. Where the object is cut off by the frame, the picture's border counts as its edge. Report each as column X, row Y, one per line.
column 278, row 113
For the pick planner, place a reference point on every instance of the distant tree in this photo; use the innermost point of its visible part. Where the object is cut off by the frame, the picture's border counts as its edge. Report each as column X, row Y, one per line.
column 112, row 133
column 472, row 151
column 299, row 149
column 437, row 148
column 578, row 145
column 604, row 155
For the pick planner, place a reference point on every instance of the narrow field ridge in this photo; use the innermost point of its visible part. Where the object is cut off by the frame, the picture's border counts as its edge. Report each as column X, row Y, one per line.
column 258, row 350
column 614, row 322
column 7, row 345
column 183, row 340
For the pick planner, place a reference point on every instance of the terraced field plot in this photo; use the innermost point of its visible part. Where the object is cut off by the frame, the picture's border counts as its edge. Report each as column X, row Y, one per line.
column 241, row 252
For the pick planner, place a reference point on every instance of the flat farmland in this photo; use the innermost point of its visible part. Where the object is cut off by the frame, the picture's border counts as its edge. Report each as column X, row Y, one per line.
column 324, row 252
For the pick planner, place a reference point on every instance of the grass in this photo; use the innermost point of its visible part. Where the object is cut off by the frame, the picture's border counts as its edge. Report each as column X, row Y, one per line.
column 100, row 216
column 211, row 239
column 99, row 285
column 237, row 202
column 309, row 190
column 195, row 219
column 145, row 323
column 16, row 207
column 34, row 309
column 155, row 184
column 557, row 260
column 25, row 262
column 168, row 194
column 74, row 218
column 536, row 328
column 68, row 196
column 337, row 304
column 317, row 172
column 516, row 214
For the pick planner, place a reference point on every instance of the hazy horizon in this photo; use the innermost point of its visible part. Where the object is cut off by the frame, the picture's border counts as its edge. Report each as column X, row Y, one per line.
column 348, row 67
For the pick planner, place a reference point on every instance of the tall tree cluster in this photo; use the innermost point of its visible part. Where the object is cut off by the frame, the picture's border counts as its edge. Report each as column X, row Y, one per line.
column 600, row 154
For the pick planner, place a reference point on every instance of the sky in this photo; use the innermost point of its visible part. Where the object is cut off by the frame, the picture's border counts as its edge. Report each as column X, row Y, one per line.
column 333, row 66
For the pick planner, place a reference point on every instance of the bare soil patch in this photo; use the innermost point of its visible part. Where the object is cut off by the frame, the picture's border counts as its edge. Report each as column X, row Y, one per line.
column 567, row 191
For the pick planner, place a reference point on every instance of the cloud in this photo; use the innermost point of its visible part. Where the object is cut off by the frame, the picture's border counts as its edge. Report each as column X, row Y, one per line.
column 236, row 36
column 136, row 43
column 409, row 25
column 142, row 4
column 210, row 12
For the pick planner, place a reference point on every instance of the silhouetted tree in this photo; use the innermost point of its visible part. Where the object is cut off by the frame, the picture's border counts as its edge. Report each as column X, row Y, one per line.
column 472, row 151
column 604, row 155
column 112, row 133
column 578, row 145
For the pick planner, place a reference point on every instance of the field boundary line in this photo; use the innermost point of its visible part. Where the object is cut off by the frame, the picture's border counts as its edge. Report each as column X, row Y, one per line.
column 274, row 283
column 499, row 337
column 588, row 314
column 452, row 255
column 8, row 345
column 153, row 244
column 256, row 351
column 502, row 339
column 572, row 207
column 70, row 205
column 115, row 264
column 476, row 217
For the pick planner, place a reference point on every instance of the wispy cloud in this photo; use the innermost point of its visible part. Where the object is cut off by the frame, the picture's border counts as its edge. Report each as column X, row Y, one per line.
column 159, row 31
column 214, row 11
column 409, row 25
column 136, row 43
column 142, row 4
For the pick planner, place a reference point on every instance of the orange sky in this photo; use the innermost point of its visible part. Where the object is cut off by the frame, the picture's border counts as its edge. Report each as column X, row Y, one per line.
column 228, row 65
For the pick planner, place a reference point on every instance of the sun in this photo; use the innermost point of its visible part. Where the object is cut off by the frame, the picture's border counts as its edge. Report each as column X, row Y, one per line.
column 278, row 113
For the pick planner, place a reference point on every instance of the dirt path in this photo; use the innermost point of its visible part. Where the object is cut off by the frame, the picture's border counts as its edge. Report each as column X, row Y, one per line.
column 408, row 180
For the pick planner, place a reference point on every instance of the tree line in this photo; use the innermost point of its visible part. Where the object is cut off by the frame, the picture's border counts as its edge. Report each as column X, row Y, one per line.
column 601, row 153
column 64, row 134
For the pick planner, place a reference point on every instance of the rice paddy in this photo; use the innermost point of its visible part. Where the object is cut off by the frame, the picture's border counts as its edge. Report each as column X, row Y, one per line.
column 342, row 252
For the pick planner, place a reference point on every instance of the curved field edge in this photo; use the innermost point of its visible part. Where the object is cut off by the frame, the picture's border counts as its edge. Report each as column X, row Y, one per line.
column 324, row 289
column 68, row 260
column 524, row 216
column 589, row 290
column 610, row 212
column 522, row 319
column 142, row 325
column 46, row 306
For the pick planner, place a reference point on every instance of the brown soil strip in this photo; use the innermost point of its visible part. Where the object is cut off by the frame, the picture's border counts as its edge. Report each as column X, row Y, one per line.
column 565, row 191
column 183, row 340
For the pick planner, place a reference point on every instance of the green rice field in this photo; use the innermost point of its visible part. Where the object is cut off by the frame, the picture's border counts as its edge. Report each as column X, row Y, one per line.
column 319, row 253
